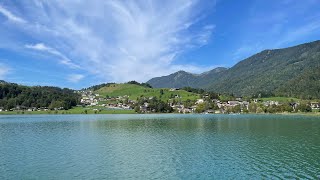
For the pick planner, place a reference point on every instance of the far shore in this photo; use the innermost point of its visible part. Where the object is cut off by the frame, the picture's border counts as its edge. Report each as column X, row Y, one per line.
column 72, row 112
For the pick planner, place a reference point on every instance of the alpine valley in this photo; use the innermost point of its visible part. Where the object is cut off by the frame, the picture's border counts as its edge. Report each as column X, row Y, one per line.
column 289, row 72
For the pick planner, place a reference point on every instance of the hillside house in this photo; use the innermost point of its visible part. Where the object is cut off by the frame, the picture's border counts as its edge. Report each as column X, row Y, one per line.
column 173, row 89
column 233, row 103
column 199, row 101
column 315, row 105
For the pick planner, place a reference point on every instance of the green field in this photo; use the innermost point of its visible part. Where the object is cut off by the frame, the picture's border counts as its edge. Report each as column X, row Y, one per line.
column 280, row 99
column 135, row 91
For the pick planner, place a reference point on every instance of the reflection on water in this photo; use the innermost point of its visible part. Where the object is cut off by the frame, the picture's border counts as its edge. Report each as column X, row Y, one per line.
column 159, row 146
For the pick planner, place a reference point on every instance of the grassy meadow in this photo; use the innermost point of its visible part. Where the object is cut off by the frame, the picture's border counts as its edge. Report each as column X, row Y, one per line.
column 135, row 91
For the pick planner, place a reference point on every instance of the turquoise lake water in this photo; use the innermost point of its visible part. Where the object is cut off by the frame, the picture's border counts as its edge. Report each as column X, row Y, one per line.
column 159, row 147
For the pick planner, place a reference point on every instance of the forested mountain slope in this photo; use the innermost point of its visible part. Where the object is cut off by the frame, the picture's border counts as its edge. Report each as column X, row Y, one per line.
column 293, row 71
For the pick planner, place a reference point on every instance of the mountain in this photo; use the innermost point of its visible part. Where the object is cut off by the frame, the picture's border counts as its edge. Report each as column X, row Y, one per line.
column 293, row 71
column 183, row 79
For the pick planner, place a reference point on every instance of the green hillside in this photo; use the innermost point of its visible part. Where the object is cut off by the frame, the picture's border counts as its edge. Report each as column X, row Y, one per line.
column 288, row 72
column 134, row 91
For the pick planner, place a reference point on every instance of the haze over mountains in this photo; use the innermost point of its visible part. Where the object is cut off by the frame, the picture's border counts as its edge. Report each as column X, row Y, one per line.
column 293, row 71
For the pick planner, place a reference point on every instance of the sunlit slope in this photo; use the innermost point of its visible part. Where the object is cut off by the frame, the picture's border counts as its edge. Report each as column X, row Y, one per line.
column 134, row 91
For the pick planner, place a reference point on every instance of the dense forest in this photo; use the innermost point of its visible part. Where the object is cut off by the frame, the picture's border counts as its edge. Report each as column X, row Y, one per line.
column 17, row 96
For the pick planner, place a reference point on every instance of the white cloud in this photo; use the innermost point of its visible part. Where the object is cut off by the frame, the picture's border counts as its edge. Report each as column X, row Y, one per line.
column 11, row 16
column 4, row 70
column 44, row 48
column 278, row 25
column 74, row 78
column 247, row 50
column 299, row 32
column 118, row 40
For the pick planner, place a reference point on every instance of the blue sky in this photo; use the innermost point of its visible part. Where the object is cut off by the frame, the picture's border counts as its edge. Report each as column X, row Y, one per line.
column 76, row 43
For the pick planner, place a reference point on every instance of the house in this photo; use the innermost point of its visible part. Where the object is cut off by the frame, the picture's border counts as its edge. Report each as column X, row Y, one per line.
column 294, row 105
column 233, row 103
column 126, row 107
column 143, row 109
column 199, row 101
column 187, row 110
column 270, row 103
column 215, row 100
column 20, row 108
column 206, row 96
column 209, row 111
column 315, row 105
column 193, row 108
column 173, row 89
column 178, row 106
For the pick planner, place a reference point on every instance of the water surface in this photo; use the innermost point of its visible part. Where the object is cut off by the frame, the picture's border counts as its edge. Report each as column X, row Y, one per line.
column 159, row 147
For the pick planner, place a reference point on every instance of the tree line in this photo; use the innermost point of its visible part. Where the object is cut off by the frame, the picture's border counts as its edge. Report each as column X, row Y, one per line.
column 13, row 95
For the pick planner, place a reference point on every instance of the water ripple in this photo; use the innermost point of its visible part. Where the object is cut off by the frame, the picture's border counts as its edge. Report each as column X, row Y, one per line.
column 159, row 147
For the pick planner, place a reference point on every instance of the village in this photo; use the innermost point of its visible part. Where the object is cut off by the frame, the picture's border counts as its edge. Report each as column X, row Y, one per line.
column 201, row 105
column 204, row 104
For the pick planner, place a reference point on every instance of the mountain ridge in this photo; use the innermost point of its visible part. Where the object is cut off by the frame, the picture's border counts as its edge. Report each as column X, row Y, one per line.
column 271, row 71
column 181, row 79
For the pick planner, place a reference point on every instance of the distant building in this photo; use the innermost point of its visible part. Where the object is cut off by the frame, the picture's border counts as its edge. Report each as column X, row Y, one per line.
column 233, row 103
column 315, row 105
column 173, row 89
column 199, row 101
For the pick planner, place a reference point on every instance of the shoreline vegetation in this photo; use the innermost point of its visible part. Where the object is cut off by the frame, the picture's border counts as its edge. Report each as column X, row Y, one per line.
column 70, row 112
column 140, row 98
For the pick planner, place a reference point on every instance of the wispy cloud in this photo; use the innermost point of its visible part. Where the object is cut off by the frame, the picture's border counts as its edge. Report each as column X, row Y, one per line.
column 63, row 59
column 118, row 40
column 246, row 51
column 10, row 15
column 274, row 24
column 300, row 32
column 74, row 78
column 4, row 70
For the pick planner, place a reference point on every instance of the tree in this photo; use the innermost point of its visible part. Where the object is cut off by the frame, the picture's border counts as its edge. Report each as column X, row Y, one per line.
column 161, row 92
column 56, row 104
column 188, row 103
column 303, row 107
column 236, row 109
column 200, row 108
column 253, row 107
column 137, row 109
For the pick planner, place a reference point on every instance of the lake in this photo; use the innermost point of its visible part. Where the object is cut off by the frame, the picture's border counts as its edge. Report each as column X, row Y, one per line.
column 164, row 146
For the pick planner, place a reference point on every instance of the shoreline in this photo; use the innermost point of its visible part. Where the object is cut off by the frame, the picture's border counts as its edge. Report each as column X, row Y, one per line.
column 126, row 112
